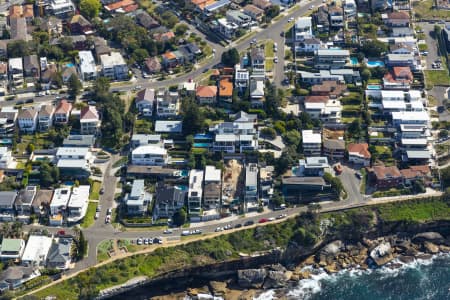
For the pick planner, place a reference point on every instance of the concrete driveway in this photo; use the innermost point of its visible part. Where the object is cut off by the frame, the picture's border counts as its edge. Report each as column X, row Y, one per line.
column 351, row 184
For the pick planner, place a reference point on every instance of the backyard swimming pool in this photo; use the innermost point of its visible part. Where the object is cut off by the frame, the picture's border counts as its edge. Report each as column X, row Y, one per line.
column 354, row 60
column 374, row 87
column 375, row 63
column 202, row 145
column 70, row 65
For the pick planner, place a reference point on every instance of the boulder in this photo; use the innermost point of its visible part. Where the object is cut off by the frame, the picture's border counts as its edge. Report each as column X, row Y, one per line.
column 275, row 279
column 332, row 248
column 218, row 288
column 251, row 278
column 406, row 259
column 332, row 268
column 427, row 236
column 382, row 254
column 444, row 248
column 430, row 247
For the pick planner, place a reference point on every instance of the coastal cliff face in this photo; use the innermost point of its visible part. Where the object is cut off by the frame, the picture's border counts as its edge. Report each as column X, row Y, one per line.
column 378, row 244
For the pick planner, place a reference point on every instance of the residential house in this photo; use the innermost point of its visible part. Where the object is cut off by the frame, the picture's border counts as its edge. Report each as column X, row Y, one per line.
column 251, row 195
column 11, row 249
column 336, row 15
column 241, row 78
column 145, row 139
column 152, row 65
column 359, row 154
column 225, row 91
column 350, row 8
column 149, row 155
column 8, row 117
column 295, row 188
column 3, row 70
column 206, row 94
column 303, row 28
column 172, row 59
column 53, row 26
column 349, row 75
column 6, row 159
column 67, row 72
column 169, row 199
column 101, row 47
column 239, row 135
column 45, row 117
column 401, row 48
column 15, row 11
column 24, row 200
column 78, row 203
column 262, row 4
column 74, row 161
column 410, row 117
column 266, row 183
column 15, row 70
column 238, row 18
column 398, row 78
column 331, row 58
column 226, row 28
column 41, row 202
column 80, row 25
column 124, row 6
column 31, row 66
column 323, row 108
column 58, row 206
column 385, row 177
column 169, row 127
column 401, row 32
column 190, row 52
column 195, row 194
column 163, row 36
column 312, row 143
column 212, row 187
column 7, row 199
column 334, row 149
column 256, row 93
column 48, row 75
column 59, row 256
column 114, row 66
column 332, row 89
column 87, row 67
column 312, row 166
column 15, row 276
column 396, row 19
column 18, row 29
column 36, row 250
column 76, row 140
column 414, row 173
column 254, row 12
column 27, row 120
column 60, row 8
column 146, row 21
column 402, row 60
column 138, row 199
column 145, row 100
column 321, row 19
column 62, row 112
column 308, row 45
column 258, row 59
column 318, row 78
column 79, row 42
column 89, row 120
column 167, row 104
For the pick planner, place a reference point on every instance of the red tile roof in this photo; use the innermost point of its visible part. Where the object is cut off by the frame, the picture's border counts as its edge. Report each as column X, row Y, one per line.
column 362, row 149
column 316, row 99
column 382, row 172
column 63, row 107
column 206, row 91
column 89, row 112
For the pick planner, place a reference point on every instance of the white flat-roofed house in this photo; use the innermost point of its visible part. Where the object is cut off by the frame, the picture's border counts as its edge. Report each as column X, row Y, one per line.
column 145, row 139
column 230, row 136
column 331, row 58
column 138, row 199
column 167, row 104
column 74, row 161
column 87, row 66
column 412, row 131
column 36, row 250
column 312, row 143
column 226, row 28
column 414, row 143
column 89, row 120
column 58, row 206
column 241, row 78
column 169, row 127
column 78, row 203
column 8, row 118
column 392, row 95
column 349, row 8
column 319, row 78
column 323, row 108
column 212, row 187
column 239, row 18
column 251, row 187
column 308, row 45
column 7, row 199
column 114, row 66
column 45, row 117
column 27, row 120
column 195, row 194
column 6, row 158
column 149, row 155
column 402, row 60
column 303, row 28
column 258, row 60
column 15, row 70
column 145, row 100
column 312, row 166
column 60, row 8
column 410, row 117
column 73, row 153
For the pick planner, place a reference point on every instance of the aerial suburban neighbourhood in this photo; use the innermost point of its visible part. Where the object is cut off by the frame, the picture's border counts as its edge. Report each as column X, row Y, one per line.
column 127, row 125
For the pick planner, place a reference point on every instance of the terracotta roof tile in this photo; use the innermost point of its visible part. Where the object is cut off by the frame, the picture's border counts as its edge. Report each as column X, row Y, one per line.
column 362, row 149
column 63, row 107
column 206, row 91
column 226, row 88
column 88, row 113
column 382, row 172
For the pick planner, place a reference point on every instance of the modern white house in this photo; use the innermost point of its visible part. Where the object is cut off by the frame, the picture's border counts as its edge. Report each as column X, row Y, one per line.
column 60, row 8
column 87, row 67
column 114, row 66
column 138, row 199
column 195, row 194
column 6, row 158
column 74, row 161
column 145, row 100
column 78, row 203
column 251, row 187
column 167, row 104
column 303, row 29
column 149, row 155
column 15, row 70
column 58, row 205
column 331, row 58
column 36, row 250
column 27, row 120
column 312, row 143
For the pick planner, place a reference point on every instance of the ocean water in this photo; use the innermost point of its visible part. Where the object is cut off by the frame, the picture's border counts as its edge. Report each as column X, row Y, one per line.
column 422, row 279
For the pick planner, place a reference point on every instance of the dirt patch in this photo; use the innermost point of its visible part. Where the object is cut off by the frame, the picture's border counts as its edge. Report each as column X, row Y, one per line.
column 232, row 181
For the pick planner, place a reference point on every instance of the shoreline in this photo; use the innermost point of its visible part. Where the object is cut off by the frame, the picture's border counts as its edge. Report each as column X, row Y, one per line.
column 392, row 252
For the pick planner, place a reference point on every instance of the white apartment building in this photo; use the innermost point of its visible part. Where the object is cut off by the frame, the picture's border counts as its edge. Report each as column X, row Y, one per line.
column 212, row 187
column 251, row 187
column 114, row 66
column 36, row 250
column 87, row 66
column 78, row 203
column 195, row 194
column 60, row 199
column 60, row 8
column 167, row 104
column 303, row 28
column 149, row 155
column 15, row 70
column 312, row 143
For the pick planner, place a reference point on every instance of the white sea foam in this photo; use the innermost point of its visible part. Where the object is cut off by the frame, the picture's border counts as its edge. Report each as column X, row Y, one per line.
column 308, row 287
column 267, row 295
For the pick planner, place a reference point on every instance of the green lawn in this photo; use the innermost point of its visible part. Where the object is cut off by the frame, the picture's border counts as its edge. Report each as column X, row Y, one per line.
column 416, row 211
column 424, row 9
column 39, row 140
column 436, row 77
column 95, row 190
column 88, row 219
column 102, row 250
column 423, row 47
column 269, row 64
column 268, row 48
column 120, row 162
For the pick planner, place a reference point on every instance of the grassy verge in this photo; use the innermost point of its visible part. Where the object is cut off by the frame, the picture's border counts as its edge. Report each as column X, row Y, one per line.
column 95, row 190
column 269, row 64
column 424, row 10
column 268, row 48
column 102, row 250
column 362, row 187
column 88, row 219
column 415, row 211
column 120, row 162
column 436, row 77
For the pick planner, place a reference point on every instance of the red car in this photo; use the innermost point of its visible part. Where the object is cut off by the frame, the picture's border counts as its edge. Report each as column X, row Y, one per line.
column 263, row 220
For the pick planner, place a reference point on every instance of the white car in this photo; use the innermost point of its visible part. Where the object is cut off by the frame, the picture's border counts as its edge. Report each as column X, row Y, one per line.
column 168, row 231
column 275, row 60
column 290, row 19
column 311, row 7
column 218, row 229
column 97, row 215
column 139, row 241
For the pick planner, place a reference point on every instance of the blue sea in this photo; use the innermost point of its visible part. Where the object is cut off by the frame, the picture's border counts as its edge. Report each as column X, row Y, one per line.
column 422, row 279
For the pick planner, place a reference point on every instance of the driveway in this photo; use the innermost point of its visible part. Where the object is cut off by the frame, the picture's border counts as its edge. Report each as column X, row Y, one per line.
column 351, row 184
column 433, row 54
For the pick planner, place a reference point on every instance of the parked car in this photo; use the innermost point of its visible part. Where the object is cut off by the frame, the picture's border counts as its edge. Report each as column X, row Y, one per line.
column 271, row 219
column 102, row 190
column 281, row 216
column 97, row 215
column 358, row 175
column 218, row 229
column 239, row 225
column 248, row 223
column 168, row 231
column 139, row 241
column 185, row 233
column 108, row 219
column 145, row 241
column 99, row 208
column 263, row 220
column 157, row 240
column 275, row 60
column 109, row 212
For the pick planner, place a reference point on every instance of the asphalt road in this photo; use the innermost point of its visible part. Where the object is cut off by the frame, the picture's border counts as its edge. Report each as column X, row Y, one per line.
column 433, row 54
column 351, row 185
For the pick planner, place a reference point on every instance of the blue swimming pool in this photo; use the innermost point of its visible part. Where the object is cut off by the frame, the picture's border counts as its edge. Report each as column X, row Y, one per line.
column 184, row 173
column 70, row 65
column 374, row 87
column 202, row 145
column 202, row 136
column 354, row 60
column 375, row 63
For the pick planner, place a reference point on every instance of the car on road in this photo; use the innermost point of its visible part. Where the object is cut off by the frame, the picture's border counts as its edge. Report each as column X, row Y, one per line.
column 108, row 219
column 145, row 241
column 205, row 70
column 185, row 233
column 281, row 216
column 196, row 231
column 20, row 102
column 275, row 60
column 97, row 215
column 290, row 19
column 139, row 241
column 109, row 211
column 157, row 240
column 218, row 229
column 29, row 101
column 228, row 227
column 99, row 208
column 254, row 41
column 263, row 220
column 168, row 231
column 282, row 34
column 271, row 219
column 424, row 53
column 239, row 225
column 248, row 223
column 311, row 7
column 102, row 190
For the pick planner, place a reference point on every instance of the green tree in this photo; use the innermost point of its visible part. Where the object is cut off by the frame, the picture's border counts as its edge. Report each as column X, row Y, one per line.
column 292, row 138
column 180, row 217
column 269, row 133
column 277, row 199
column 169, row 19
column 443, row 134
column 101, row 88
column 90, row 8
column 365, row 74
column 82, row 246
column 74, row 86
column 139, row 55
column 230, row 58
column 272, row 12
column 193, row 119
column 18, row 48
column 181, row 29
column 283, row 163
column 30, row 148
column 374, row 48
